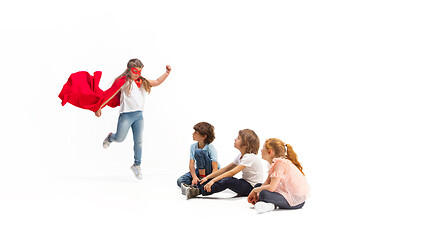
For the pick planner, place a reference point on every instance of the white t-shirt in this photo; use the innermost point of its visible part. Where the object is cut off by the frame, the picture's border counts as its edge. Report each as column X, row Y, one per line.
column 253, row 173
column 135, row 100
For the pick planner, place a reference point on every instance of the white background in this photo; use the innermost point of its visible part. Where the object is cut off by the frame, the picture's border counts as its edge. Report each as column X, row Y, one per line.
column 345, row 82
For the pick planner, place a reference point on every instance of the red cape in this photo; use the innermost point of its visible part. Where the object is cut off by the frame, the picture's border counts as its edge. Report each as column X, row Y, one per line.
column 82, row 90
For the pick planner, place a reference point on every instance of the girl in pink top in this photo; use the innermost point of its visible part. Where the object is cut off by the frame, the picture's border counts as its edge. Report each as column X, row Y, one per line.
column 286, row 185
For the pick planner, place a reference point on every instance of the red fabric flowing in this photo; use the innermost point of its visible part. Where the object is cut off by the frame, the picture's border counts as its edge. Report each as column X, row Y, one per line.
column 82, row 90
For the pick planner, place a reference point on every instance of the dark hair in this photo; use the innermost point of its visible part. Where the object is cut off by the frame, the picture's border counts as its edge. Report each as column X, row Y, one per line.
column 250, row 140
column 205, row 129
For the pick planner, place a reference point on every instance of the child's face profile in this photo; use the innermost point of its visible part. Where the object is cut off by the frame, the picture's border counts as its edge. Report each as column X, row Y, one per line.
column 198, row 137
column 265, row 154
column 238, row 142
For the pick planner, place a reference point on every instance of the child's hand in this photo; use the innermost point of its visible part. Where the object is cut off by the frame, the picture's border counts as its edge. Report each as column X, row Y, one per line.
column 203, row 180
column 195, row 181
column 168, row 69
column 253, row 198
column 98, row 113
column 207, row 187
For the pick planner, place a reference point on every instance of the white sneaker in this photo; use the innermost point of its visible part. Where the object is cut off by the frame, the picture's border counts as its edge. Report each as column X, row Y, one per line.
column 262, row 207
column 184, row 187
column 106, row 143
column 137, row 171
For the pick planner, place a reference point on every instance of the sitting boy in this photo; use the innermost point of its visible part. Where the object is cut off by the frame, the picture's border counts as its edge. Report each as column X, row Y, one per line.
column 203, row 155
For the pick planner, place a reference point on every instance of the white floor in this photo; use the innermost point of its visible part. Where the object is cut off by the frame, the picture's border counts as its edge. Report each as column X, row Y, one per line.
column 105, row 201
column 117, row 206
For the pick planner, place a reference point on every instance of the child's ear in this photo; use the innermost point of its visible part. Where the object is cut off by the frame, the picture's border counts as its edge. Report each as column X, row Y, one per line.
column 270, row 152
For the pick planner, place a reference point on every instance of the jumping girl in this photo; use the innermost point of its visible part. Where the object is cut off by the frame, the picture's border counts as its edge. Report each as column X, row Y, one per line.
column 132, row 93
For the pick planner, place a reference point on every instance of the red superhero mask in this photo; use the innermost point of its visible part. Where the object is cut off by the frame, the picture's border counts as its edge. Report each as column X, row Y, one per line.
column 135, row 71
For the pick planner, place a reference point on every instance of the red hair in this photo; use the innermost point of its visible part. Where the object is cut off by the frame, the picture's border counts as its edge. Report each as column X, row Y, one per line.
column 283, row 150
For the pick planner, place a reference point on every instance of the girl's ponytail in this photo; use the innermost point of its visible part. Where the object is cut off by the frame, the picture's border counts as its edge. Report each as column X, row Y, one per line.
column 282, row 149
column 292, row 156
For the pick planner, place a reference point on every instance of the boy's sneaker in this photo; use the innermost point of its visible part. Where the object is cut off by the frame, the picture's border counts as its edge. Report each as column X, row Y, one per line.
column 192, row 192
column 184, row 187
column 262, row 207
column 106, row 142
column 137, row 171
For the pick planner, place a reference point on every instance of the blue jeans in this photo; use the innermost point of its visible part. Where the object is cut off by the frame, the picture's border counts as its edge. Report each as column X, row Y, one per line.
column 202, row 161
column 239, row 186
column 276, row 198
column 135, row 121
column 186, row 178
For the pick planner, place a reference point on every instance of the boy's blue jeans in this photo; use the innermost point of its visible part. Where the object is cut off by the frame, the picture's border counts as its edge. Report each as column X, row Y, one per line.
column 135, row 121
column 202, row 161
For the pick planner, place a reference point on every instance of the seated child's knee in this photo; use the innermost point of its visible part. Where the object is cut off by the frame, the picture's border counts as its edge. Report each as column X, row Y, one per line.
column 225, row 180
column 264, row 194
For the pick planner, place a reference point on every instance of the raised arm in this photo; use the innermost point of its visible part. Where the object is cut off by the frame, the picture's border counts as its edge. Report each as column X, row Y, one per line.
column 162, row 78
